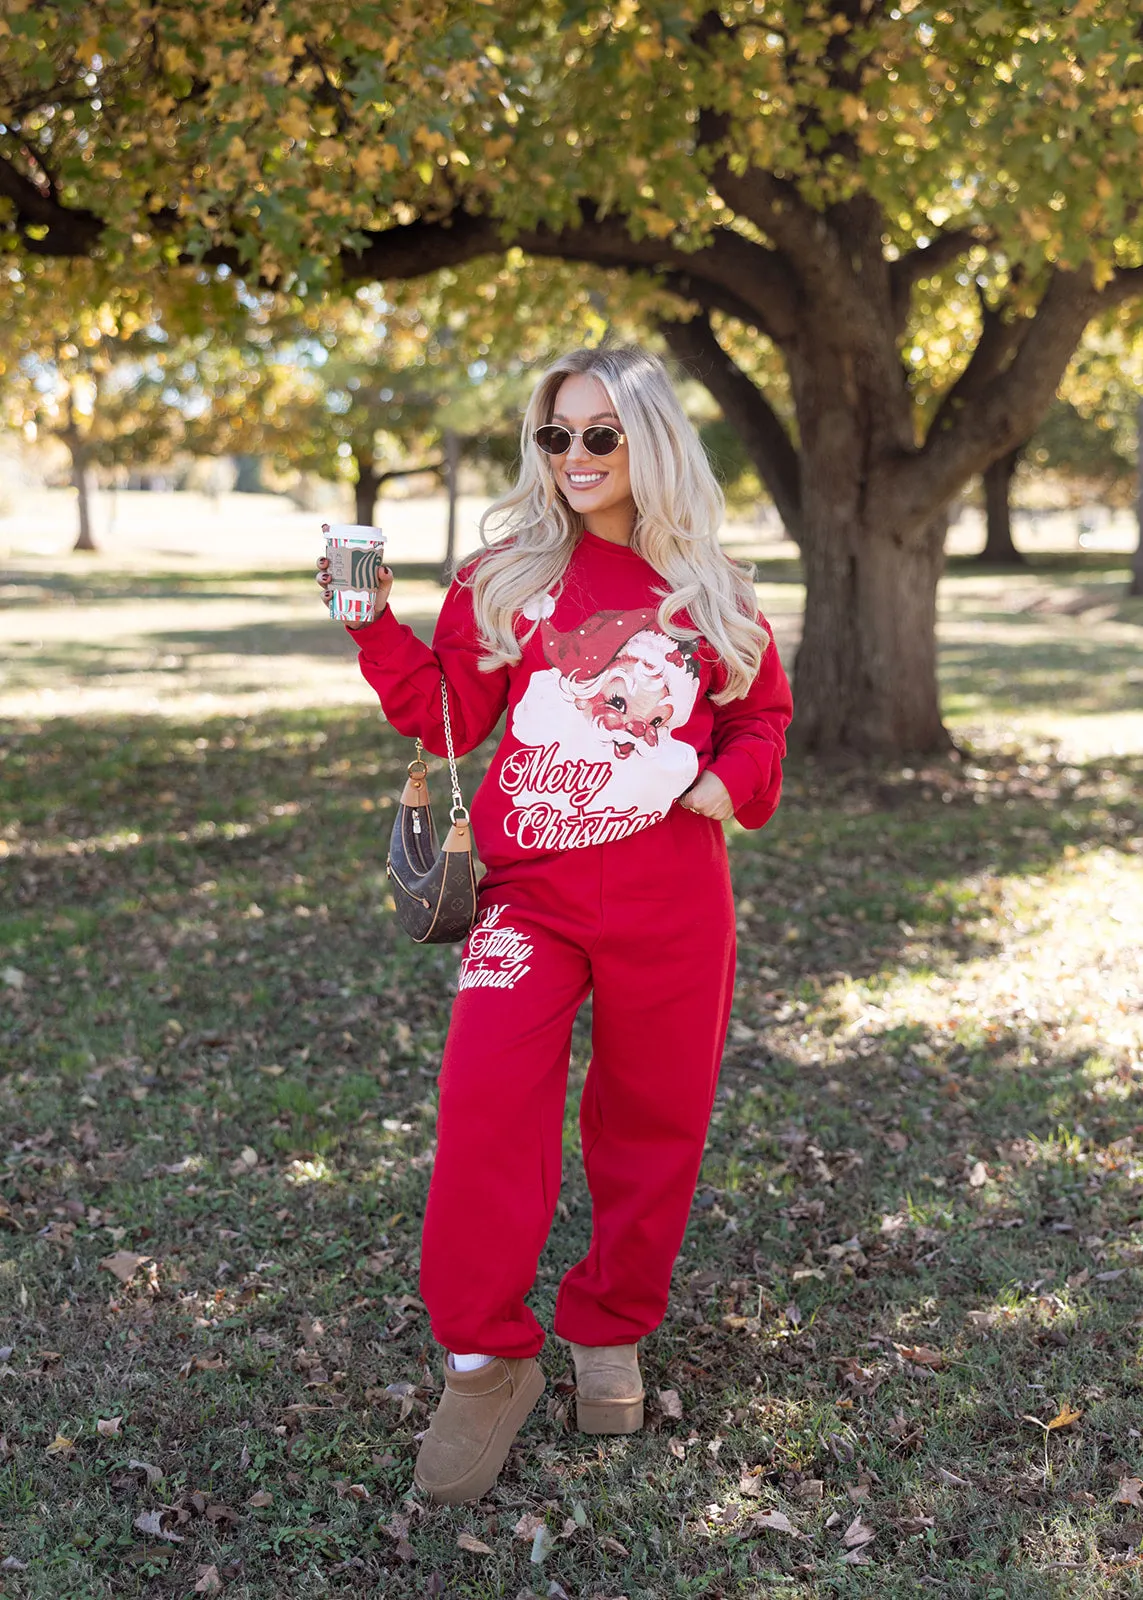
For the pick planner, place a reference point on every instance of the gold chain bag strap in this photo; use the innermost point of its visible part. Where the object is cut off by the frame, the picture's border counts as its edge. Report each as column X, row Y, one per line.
column 434, row 890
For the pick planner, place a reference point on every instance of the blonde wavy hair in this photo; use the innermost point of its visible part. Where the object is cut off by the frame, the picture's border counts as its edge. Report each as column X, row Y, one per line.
column 530, row 533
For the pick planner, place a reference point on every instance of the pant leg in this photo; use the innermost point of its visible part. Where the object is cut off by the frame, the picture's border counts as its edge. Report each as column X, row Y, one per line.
column 496, row 1177
column 663, row 973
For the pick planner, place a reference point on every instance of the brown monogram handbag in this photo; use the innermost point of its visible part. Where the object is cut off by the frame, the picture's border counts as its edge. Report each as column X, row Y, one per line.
column 434, row 889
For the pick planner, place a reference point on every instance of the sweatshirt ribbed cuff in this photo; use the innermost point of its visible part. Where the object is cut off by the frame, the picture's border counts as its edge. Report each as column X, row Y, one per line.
column 742, row 773
column 373, row 633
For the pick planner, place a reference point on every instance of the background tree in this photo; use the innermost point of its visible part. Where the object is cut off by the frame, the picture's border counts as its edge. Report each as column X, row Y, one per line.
column 367, row 393
column 91, row 363
column 1088, row 441
column 803, row 169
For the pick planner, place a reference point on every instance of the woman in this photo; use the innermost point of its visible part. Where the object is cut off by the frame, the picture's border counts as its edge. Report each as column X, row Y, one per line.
column 646, row 705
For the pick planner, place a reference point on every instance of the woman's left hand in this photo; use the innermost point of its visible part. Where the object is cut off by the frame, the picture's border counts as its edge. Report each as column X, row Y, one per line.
column 709, row 797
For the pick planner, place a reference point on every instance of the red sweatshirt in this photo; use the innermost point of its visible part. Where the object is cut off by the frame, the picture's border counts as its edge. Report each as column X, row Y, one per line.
column 609, row 719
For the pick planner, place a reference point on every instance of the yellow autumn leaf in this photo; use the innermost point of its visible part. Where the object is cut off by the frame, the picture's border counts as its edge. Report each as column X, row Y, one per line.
column 656, row 224
column 1064, row 1418
column 60, row 1446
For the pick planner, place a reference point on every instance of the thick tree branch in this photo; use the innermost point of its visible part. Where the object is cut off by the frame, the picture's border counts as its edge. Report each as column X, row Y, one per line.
column 1000, row 338
column 1006, row 408
column 1127, row 283
column 943, row 249
column 745, row 407
column 736, row 275
column 70, row 233
column 730, row 273
column 712, row 297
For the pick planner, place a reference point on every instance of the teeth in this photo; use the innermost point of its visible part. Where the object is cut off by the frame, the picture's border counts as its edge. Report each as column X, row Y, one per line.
column 586, row 477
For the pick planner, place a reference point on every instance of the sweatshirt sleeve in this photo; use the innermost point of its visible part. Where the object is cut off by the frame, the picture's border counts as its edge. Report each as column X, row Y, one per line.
column 750, row 741
column 406, row 673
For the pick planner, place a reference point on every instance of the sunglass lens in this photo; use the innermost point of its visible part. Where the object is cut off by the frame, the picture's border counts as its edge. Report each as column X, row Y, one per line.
column 601, row 440
column 552, row 439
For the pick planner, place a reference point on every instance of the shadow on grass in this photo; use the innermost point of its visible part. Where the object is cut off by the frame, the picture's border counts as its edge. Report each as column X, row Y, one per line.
column 1080, row 675
column 907, row 1236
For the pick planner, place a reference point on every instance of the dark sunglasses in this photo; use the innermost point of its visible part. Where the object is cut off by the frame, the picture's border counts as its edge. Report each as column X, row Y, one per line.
column 599, row 440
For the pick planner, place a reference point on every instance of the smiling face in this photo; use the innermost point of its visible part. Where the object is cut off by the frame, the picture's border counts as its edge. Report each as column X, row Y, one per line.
column 630, row 706
column 597, row 487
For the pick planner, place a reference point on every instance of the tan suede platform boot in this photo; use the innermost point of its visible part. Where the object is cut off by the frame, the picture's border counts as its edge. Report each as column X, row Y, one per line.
column 471, row 1433
column 608, row 1388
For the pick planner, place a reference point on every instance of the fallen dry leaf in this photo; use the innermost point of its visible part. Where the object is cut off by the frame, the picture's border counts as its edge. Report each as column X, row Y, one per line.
column 978, row 1176
column 951, row 1480
column 1129, row 1493
column 218, row 1513
column 202, row 1364
column 858, row 1533
column 124, row 1264
column 209, row 1581
column 775, row 1521
column 108, row 1427
column 469, row 1542
column 857, row 1557
column 152, row 1522
column 154, row 1474
column 670, row 1404
column 60, row 1446
column 398, row 1528
column 617, row 1549
column 528, row 1526
column 921, row 1355
column 811, row 1489
column 262, row 1498
column 1063, row 1419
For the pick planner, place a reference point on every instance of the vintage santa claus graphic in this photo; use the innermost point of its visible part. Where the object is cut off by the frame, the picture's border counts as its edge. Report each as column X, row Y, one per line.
column 599, row 759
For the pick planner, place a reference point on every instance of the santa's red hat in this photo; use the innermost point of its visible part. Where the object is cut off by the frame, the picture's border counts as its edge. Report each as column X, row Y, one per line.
column 585, row 652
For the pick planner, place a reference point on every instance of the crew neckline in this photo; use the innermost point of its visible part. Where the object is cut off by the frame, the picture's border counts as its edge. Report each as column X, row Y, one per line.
column 597, row 542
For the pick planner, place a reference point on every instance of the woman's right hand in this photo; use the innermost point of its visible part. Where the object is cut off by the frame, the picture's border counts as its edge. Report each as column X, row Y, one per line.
column 380, row 594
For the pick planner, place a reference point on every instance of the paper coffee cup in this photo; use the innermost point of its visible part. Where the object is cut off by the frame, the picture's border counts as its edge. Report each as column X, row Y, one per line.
column 356, row 555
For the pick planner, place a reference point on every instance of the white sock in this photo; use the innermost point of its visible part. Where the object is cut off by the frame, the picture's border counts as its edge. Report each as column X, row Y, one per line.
column 470, row 1363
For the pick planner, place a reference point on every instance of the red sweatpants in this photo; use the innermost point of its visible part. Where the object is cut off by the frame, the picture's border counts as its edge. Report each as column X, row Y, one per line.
column 648, row 924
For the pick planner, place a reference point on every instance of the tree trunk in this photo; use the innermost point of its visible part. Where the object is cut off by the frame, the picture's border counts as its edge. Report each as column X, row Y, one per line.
column 999, row 549
column 365, row 492
column 866, row 672
column 1136, row 585
column 81, row 483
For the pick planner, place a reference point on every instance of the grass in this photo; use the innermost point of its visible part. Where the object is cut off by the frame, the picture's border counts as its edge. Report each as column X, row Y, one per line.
column 920, row 1220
